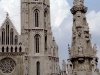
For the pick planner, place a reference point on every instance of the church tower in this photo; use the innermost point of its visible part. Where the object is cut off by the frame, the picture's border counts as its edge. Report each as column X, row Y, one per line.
column 82, row 57
column 41, row 50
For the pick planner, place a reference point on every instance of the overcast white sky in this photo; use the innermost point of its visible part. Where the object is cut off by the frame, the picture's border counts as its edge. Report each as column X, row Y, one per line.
column 61, row 21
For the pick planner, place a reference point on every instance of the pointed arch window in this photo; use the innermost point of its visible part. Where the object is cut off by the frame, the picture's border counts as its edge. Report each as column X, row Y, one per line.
column 3, row 49
column 7, row 33
column 45, row 17
column 11, row 49
column 37, row 43
column 15, row 49
column 36, row 18
column 46, row 42
column 3, row 36
column 20, row 49
column 38, row 68
column 11, row 37
column 7, row 49
column 16, row 40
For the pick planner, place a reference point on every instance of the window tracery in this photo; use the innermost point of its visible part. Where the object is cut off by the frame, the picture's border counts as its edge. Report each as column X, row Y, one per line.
column 36, row 18
column 7, row 33
column 11, row 37
column 7, row 65
column 37, row 43
column 3, row 36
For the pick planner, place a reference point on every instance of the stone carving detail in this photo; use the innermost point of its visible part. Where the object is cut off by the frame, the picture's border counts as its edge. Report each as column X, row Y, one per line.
column 80, row 49
column 49, row 48
column 95, row 49
column 7, row 65
column 81, row 52
column 94, row 65
column 70, row 67
column 64, row 66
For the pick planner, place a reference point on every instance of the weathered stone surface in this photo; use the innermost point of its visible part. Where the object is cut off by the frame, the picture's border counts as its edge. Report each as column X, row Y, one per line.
column 81, row 54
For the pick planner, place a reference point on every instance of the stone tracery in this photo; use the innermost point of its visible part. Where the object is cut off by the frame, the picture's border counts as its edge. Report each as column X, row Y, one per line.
column 7, row 65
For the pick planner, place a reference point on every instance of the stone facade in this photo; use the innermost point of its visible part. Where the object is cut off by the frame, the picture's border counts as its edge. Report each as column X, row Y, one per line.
column 82, row 56
column 35, row 51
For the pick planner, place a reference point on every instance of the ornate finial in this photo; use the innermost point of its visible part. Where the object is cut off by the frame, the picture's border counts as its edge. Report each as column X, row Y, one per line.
column 7, row 14
column 95, row 47
column 68, row 46
column 53, row 39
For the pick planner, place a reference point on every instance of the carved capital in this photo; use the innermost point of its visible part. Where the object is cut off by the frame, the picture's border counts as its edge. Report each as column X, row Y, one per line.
column 78, row 8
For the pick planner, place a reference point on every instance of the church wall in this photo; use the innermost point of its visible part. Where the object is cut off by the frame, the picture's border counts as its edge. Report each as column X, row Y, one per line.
column 18, row 68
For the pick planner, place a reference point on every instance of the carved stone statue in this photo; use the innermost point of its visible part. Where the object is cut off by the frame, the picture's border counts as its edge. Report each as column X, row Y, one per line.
column 64, row 66
column 80, row 49
column 94, row 65
column 49, row 48
column 95, row 49
column 69, row 67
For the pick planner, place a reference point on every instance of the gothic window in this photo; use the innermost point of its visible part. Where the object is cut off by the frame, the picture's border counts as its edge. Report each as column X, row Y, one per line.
column 54, row 52
column 11, row 37
column 16, row 40
column 37, row 42
column 38, row 68
column 7, row 65
column 45, row 13
column 2, row 49
column 15, row 49
column 20, row 49
column 7, row 33
column 45, row 17
column 3, row 36
column 11, row 49
column 7, row 49
column 36, row 18
column 46, row 43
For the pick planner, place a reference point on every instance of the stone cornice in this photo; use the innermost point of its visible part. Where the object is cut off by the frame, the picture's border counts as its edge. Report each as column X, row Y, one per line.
column 81, row 8
column 12, row 53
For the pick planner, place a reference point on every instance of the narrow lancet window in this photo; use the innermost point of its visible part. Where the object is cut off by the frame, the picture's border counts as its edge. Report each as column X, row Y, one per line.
column 38, row 68
column 7, row 33
column 36, row 18
column 37, row 42
column 11, row 37
column 3, row 36
column 16, row 40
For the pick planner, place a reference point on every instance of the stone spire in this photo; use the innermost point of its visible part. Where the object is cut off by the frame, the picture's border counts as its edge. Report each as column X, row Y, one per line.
column 81, row 52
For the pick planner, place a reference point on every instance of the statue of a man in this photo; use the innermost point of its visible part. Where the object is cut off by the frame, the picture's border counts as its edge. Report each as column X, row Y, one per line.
column 69, row 67
column 95, row 49
column 64, row 66
column 94, row 65
column 80, row 49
